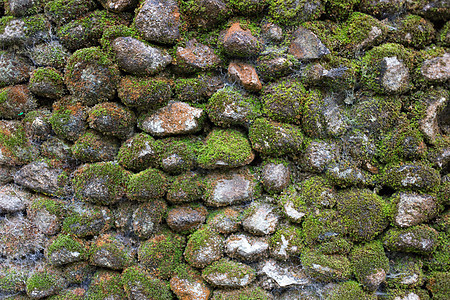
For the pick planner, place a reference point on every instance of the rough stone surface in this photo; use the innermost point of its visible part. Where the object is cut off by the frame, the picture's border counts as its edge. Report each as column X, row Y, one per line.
column 190, row 288
column 136, row 57
column 186, row 218
column 437, row 69
column 196, row 57
column 246, row 247
column 306, row 45
column 394, row 75
column 204, row 247
column 228, row 274
column 262, row 219
column 239, row 42
column 246, row 75
column 14, row 69
column 159, row 21
column 318, row 155
column 275, row 177
column 283, row 274
column 13, row 198
column 175, row 118
column 18, row 102
column 413, row 209
column 118, row 5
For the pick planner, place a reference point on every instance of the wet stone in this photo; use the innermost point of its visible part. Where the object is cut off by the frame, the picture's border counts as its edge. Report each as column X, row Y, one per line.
column 275, row 177
column 394, row 75
column 326, row 268
column 240, row 42
column 136, row 57
column 13, row 198
column 112, row 119
column 413, row 209
column 229, row 188
column 282, row 274
column 435, row 102
column 246, row 75
column 37, row 125
column 345, row 174
column 249, row 292
column 69, row 118
column 405, row 271
column 196, row 57
column 261, row 219
column 228, row 274
column 6, row 174
column 142, row 285
column 15, row 147
column 412, row 177
column 306, row 45
column 185, row 188
column 159, row 21
column 175, row 118
column 111, row 251
column 319, row 154
column 45, row 283
column 16, row 101
column 55, row 148
column 420, row 239
column 275, row 65
column 246, row 247
column 186, row 218
column 147, row 217
column 226, row 221
column 65, row 249
column 191, row 287
column 62, row 12
column 204, row 247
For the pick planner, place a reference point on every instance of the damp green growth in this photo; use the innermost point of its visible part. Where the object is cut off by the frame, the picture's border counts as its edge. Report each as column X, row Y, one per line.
column 85, row 32
column 191, row 89
column 194, row 11
column 275, row 139
column 49, row 75
column 105, row 284
column 4, row 22
column 293, row 204
column 247, row 7
column 12, row 279
column 144, row 93
column 403, row 266
column 45, row 282
column 225, row 148
column 342, row 74
column 94, row 147
column 368, row 261
column 228, row 107
column 363, row 213
column 377, row 59
column 318, row 191
column 119, row 254
column 292, row 12
column 86, row 221
column 147, row 185
column 138, row 281
column 444, row 35
column 35, row 24
column 439, row 285
column 247, row 293
column 340, row 10
column 187, row 187
column 139, row 152
column 414, row 31
column 51, row 205
column 162, row 255
column 440, row 259
column 328, row 32
column 63, row 11
column 119, row 122
column 420, row 239
column 335, row 245
column 284, row 101
column 230, row 269
column 112, row 32
column 14, row 143
column 66, row 243
column 68, row 119
column 286, row 242
column 422, row 74
column 325, row 268
column 179, row 155
column 350, row 290
column 89, row 55
column 417, row 176
column 203, row 238
column 322, row 227
column 109, row 177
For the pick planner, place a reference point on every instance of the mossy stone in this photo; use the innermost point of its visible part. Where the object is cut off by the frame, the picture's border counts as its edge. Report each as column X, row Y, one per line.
column 147, row 185
column 94, row 147
column 325, row 268
column 137, row 283
column 139, row 152
column 105, row 284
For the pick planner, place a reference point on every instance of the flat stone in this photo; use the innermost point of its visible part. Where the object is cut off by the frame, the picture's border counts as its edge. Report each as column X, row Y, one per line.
column 13, row 198
column 228, row 274
column 394, row 75
column 437, row 69
column 159, row 21
column 186, row 218
column 175, row 118
column 196, row 57
column 413, row 209
column 246, row 75
column 246, row 247
column 306, row 45
column 284, row 274
column 262, row 219
column 240, row 42
column 136, row 57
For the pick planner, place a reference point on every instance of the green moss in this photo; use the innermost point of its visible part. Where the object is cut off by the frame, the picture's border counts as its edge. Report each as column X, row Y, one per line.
column 203, row 237
column 4, row 21
column 113, row 247
column 147, row 185
column 289, row 239
column 47, row 75
column 138, row 281
column 230, row 269
column 68, row 118
column 15, row 143
column 185, row 149
column 225, row 148
column 86, row 221
column 12, row 279
column 325, row 268
column 68, row 243
column 144, row 93
column 104, row 284
column 89, row 55
column 191, row 89
column 444, row 35
column 420, row 81
column 292, row 12
column 112, row 32
column 318, row 191
column 367, row 260
column 53, row 206
column 291, row 199
column 440, row 259
column 323, row 226
column 247, row 293
column 349, row 290
column 94, row 147
column 439, row 285
column 419, row 239
column 414, row 31
column 363, row 213
column 35, row 24
column 139, row 152
column 187, row 187
column 402, row 269
column 162, row 254
column 340, row 9
column 43, row 281
column 112, row 177
column 62, row 11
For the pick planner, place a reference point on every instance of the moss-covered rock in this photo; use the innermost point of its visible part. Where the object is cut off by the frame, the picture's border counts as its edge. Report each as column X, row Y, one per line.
column 293, row 205
column 363, row 212
column 286, row 242
column 47, row 214
column 15, row 147
column 349, row 290
column 102, row 183
column 439, row 285
column 340, row 9
column 106, row 284
column 37, row 124
column 293, row 12
column 94, row 147
column 225, row 148
column 179, row 154
column 63, row 11
column 420, row 239
column 228, row 274
column 66, row 249
column 139, row 284
column 225, row 221
column 16, row 101
column 91, row 76
column 324, row 226
column 185, row 188
column 197, row 89
column 162, row 254
column 430, row 66
column 45, row 283
column 370, row 264
column 325, row 268
column 417, row 177
column 204, row 247
column 247, row 293
column 69, row 118
column 405, row 271
column 47, row 82
column 147, row 217
column 147, row 185
column 414, row 31
column 112, row 251
column 86, row 220
column 139, row 152
column 111, row 118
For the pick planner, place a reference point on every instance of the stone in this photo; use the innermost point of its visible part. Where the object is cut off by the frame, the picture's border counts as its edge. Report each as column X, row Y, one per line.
column 435, row 102
column 55, row 148
column 261, row 219
column 175, row 118
column 64, row 249
column 6, row 174
column 275, row 176
column 15, row 147
column 345, row 173
column 272, row 32
column 83, row 219
column 225, row 221
column 246, row 247
column 333, row 116
column 229, row 188
column 69, row 118
column 319, row 154
column 306, row 45
column 413, row 209
column 436, row 69
column 191, row 287
column 246, row 75
column 204, row 247
column 239, row 42
column 14, row 69
column 282, row 274
column 47, row 214
column 45, row 283
column 112, row 119
column 138, row 152
column 118, row 5
column 275, row 65
column 136, row 57
column 19, row 8
column 185, row 188
column 50, row 54
column 14, row 198
column 147, row 217
column 64, row 11
column 16, row 101
column 326, row 268
column 112, row 251
column 415, row 177
column 42, row 177
column 186, row 218
column 26, row 31
column 140, row 284
column 286, row 243
column 196, row 57
column 420, row 239
column 147, row 185
column 95, row 147
column 395, row 75
column 228, row 274
column 249, row 292
column 204, row 14
column 434, row 10
column 159, row 21
column 47, row 82
column 405, row 271
column 179, row 155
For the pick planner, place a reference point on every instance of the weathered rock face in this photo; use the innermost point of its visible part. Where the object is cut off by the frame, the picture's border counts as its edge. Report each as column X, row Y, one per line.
column 224, row 149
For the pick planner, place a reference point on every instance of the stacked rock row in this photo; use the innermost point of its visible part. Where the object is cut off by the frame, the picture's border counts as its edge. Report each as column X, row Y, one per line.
column 224, row 149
